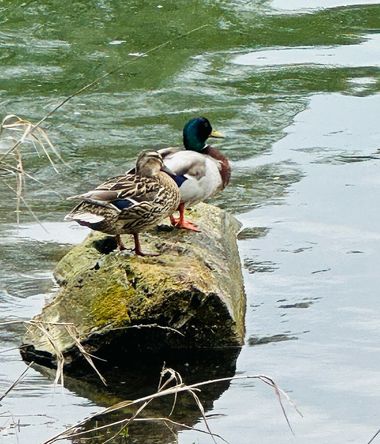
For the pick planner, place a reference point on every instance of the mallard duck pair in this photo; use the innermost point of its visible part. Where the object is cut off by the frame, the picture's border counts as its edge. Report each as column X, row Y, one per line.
column 161, row 183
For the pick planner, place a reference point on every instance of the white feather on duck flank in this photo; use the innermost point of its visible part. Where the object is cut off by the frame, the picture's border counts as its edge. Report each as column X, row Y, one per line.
column 88, row 218
column 202, row 174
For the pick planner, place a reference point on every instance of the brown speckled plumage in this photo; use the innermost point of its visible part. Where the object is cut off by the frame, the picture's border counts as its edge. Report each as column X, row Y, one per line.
column 129, row 203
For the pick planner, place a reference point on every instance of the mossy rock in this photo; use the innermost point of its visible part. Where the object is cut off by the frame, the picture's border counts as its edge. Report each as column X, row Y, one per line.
column 191, row 296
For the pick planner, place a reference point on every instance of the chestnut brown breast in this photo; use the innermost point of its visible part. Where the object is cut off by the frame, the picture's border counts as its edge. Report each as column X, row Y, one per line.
column 225, row 170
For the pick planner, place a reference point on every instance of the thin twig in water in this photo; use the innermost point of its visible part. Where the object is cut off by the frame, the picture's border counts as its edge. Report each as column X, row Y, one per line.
column 178, row 379
column 31, row 322
column 374, row 436
column 11, row 322
column 12, row 169
column 16, row 382
column 70, row 328
column 73, row 333
column 7, row 350
column 20, row 182
column 14, row 123
column 26, row 205
column 202, row 410
column 269, row 381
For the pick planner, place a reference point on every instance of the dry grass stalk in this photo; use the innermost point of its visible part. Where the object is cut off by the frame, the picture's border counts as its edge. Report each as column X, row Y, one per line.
column 374, row 436
column 179, row 387
column 60, row 358
column 16, row 382
column 173, row 377
column 30, row 133
column 10, row 424
column 21, row 198
column 71, row 330
column 12, row 161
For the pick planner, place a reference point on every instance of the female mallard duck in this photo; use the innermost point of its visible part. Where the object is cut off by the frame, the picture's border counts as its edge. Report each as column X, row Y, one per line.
column 201, row 170
column 130, row 203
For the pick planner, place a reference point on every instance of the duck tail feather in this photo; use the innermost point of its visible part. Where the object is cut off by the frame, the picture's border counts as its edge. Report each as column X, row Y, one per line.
column 85, row 218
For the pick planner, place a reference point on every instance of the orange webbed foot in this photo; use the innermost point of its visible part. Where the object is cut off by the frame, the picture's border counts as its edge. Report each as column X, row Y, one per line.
column 186, row 225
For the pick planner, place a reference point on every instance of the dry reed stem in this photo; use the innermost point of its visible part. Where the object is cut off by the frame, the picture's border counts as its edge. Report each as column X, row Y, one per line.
column 60, row 358
column 73, row 333
column 11, row 122
column 202, row 410
column 26, row 205
column 72, row 432
column 16, row 381
column 374, row 436
column 173, row 376
column 12, row 161
column 178, row 378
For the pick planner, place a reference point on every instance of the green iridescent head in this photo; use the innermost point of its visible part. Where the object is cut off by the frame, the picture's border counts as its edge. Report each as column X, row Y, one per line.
column 196, row 132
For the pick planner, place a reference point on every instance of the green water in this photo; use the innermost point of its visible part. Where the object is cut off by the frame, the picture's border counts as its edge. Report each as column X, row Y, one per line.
column 297, row 94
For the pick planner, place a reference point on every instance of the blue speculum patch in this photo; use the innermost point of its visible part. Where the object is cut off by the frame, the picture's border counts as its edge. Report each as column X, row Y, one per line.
column 122, row 204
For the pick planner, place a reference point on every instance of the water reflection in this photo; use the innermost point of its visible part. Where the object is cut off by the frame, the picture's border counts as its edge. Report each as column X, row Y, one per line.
column 255, row 266
column 302, row 304
column 140, row 377
column 252, row 233
column 263, row 185
column 256, row 340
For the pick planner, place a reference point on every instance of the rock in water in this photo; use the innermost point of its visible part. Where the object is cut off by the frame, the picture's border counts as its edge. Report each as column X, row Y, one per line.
column 115, row 306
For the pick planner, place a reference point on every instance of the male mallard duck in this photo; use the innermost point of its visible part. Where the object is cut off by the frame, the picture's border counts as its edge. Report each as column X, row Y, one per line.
column 201, row 170
column 130, row 203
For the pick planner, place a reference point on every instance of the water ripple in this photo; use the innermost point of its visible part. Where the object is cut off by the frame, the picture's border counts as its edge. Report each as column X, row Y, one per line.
column 364, row 54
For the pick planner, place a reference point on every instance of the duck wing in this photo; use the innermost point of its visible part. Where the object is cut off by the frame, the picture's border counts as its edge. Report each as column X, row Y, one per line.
column 121, row 187
column 120, row 195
